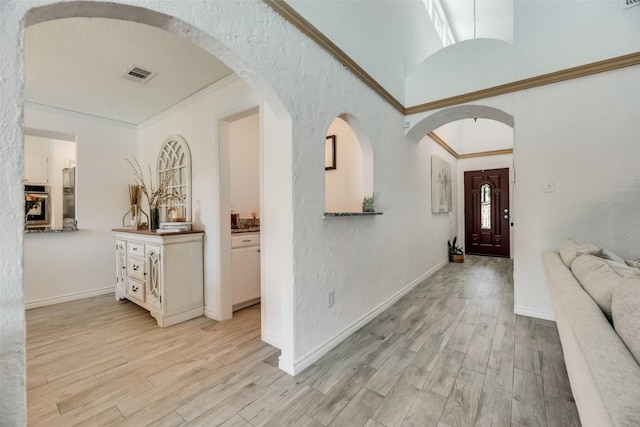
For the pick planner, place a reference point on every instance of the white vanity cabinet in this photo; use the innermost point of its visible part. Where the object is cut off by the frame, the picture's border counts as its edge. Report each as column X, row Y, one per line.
column 161, row 272
column 245, row 269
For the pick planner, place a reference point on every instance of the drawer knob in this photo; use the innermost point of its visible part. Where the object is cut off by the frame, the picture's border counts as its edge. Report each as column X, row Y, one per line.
column 246, row 241
column 134, row 288
column 136, row 267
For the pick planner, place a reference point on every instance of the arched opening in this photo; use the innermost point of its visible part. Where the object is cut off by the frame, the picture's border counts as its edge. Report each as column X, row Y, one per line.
column 276, row 136
column 479, row 138
column 348, row 166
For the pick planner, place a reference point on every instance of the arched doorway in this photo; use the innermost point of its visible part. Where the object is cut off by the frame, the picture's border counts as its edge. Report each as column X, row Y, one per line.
column 482, row 120
column 278, row 120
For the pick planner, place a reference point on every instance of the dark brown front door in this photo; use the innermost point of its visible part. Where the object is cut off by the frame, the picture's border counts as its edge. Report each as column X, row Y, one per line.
column 486, row 212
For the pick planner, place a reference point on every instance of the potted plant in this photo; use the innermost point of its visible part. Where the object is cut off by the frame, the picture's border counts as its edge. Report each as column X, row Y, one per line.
column 456, row 254
column 367, row 204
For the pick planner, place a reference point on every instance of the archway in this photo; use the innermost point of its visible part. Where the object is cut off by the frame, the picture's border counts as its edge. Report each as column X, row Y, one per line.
column 279, row 120
column 348, row 165
column 425, row 128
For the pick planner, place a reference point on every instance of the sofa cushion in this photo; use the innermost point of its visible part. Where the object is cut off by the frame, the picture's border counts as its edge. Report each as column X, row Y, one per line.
column 571, row 248
column 612, row 256
column 635, row 263
column 600, row 277
column 625, row 308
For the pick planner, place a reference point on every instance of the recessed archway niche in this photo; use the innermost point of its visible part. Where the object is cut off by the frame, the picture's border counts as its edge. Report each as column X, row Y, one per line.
column 348, row 167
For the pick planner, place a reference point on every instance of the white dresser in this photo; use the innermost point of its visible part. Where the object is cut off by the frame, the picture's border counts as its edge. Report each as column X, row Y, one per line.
column 161, row 272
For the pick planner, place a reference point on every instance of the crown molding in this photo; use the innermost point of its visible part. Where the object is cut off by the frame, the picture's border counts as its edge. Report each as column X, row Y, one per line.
column 443, row 144
column 541, row 80
column 453, row 152
column 290, row 14
column 486, row 153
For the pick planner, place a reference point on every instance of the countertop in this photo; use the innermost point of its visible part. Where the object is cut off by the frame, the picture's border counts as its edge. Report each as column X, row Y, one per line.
column 245, row 230
column 40, row 230
column 152, row 233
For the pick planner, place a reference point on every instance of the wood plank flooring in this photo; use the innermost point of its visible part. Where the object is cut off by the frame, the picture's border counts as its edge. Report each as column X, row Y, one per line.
column 450, row 353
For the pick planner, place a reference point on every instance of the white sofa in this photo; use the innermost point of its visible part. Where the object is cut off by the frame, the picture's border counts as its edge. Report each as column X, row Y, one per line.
column 603, row 372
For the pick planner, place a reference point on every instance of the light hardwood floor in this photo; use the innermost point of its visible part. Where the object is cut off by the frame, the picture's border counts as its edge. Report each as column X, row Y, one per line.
column 450, row 353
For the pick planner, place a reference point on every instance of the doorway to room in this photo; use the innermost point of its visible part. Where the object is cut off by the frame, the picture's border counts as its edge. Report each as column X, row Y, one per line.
column 486, row 212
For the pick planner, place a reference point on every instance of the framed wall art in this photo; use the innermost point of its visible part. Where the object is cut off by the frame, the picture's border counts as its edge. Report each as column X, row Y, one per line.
column 330, row 153
column 441, row 200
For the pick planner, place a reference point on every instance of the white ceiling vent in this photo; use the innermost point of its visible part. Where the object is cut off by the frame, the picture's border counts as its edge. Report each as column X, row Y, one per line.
column 138, row 74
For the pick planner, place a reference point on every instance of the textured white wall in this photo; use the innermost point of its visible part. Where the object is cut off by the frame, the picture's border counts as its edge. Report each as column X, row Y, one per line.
column 585, row 136
column 66, row 266
column 401, row 32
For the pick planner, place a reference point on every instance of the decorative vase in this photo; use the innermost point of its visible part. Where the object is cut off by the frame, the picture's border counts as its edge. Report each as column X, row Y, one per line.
column 154, row 219
column 136, row 216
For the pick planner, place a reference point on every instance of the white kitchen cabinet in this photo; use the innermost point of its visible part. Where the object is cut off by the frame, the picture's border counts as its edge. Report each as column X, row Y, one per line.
column 161, row 272
column 36, row 160
column 245, row 269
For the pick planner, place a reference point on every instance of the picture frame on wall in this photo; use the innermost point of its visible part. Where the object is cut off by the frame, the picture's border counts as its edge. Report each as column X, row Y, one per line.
column 441, row 200
column 330, row 153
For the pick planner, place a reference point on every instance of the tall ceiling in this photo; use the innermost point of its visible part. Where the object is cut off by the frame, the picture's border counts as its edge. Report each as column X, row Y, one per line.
column 78, row 64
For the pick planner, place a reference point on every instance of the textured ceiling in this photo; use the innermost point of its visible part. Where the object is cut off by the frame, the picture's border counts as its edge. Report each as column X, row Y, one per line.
column 77, row 64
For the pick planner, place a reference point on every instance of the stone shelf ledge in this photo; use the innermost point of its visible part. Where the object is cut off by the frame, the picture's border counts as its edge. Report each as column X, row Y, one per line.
column 341, row 214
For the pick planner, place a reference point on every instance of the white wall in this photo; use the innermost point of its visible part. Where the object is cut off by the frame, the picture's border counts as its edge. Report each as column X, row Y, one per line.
column 401, row 32
column 196, row 119
column 344, row 188
column 64, row 266
column 549, row 36
column 584, row 135
column 244, row 150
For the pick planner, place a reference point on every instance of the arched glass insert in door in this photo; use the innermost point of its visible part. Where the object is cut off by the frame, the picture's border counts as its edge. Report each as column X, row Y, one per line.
column 175, row 154
column 485, row 206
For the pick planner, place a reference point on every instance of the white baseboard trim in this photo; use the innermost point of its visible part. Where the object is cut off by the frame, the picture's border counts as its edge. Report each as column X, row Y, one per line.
column 68, row 297
column 523, row 311
column 211, row 314
column 287, row 366
column 305, row 361
column 271, row 340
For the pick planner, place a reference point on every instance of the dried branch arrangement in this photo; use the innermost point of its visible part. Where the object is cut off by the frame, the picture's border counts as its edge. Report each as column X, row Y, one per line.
column 135, row 194
column 155, row 196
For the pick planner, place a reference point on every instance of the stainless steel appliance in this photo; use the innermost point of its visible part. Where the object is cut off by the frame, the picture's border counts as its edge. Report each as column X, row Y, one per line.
column 40, row 214
column 68, row 193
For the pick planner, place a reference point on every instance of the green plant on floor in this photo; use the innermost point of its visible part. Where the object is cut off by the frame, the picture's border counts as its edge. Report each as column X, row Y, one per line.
column 454, row 249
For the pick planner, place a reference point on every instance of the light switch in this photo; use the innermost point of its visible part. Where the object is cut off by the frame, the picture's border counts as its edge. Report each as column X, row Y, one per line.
column 549, row 186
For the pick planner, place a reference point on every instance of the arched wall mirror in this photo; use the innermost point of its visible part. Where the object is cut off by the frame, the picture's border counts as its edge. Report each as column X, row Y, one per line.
column 175, row 155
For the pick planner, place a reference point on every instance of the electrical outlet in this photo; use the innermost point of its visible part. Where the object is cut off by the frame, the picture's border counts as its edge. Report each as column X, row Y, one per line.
column 549, row 186
column 330, row 299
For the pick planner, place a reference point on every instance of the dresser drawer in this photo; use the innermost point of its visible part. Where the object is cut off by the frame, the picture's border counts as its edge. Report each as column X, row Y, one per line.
column 242, row 240
column 135, row 248
column 135, row 267
column 135, row 289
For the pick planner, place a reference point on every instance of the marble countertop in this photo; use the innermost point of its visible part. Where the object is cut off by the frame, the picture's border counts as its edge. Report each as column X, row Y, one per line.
column 41, row 230
column 245, row 230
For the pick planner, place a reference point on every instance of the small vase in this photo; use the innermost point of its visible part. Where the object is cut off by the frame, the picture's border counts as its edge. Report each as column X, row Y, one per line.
column 154, row 219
